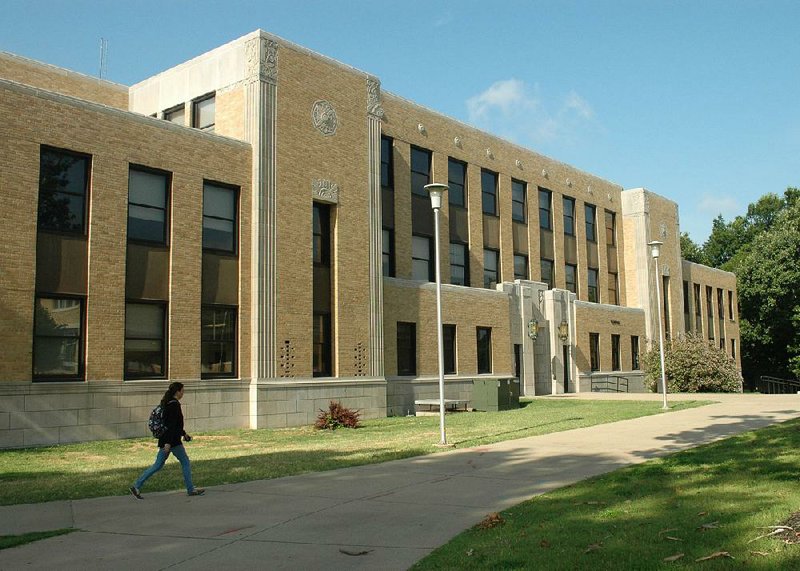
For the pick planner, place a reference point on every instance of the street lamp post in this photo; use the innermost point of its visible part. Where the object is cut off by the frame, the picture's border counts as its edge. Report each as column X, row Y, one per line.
column 436, row 191
column 655, row 251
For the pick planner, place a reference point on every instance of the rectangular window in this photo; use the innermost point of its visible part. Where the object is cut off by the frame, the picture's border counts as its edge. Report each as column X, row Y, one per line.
column 148, row 196
column 321, row 235
column 720, row 304
column 611, row 229
column 176, row 114
column 387, row 164
column 571, row 277
column 547, row 272
column 613, row 288
column 665, row 297
column 322, row 363
column 687, row 309
column 733, row 348
column 422, row 258
column 569, row 216
column 594, row 351
column 722, row 343
column 520, row 267
column 63, row 191
column 590, row 211
column 545, row 209
column 592, row 283
column 518, row 200
column 218, row 342
column 145, row 340
column 58, row 339
column 459, row 264
column 710, row 310
column 420, row 171
column 490, row 267
column 730, row 305
column 203, row 113
column 698, row 312
column 449, row 349
column 406, row 348
column 615, row 356
column 388, row 252
column 220, row 219
column 489, row 192
column 484, row 336
column 456, row 182
column 634, row 352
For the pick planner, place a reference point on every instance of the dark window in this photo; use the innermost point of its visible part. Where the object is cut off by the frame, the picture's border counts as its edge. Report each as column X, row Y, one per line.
column 63, row 191
column 145, row 340
column 592, row 283
column 459, row 264
column 218, row 342
column 203, row 113
column 322, row 343
column 590, row 211
column 547, row 272
column 148, row 196
column 484, row 335
column 58, row 338
column 545, row 209
column 594, row 351
column 422, row 258
column 490, row 267
column 569, row 216
column 730, row 305
column 733, row 348
column 449, row 349
column 388, row 252
column 520, row 267
column 665, row 295
column 387, row 164
column 321, row 235
column 517, row 200
column 420, row 171
column 634, row 352
column 687, row 308
column 613, row 289
column 720, row 304
column 611, row 229
column 456, row 181
column 722, row 343
column 489, row 192
column 406, row 348
column 615, row 357
column 571, row 277
column 698, row 312
column 176, row 115
column 220, row 224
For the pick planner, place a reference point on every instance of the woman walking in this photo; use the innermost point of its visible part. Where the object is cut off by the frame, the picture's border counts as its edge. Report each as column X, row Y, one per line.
column 170, row 441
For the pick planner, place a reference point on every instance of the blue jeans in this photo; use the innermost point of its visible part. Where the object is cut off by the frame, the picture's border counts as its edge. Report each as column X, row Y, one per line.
column 161, row 458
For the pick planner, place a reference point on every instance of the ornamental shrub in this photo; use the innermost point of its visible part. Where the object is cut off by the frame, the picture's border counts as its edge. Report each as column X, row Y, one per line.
column 692, row 365
column 337, row 416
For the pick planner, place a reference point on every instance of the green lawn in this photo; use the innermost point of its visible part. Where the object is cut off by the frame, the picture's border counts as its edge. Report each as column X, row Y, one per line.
column 715, row 499
column 107, row 468
column 7, row 541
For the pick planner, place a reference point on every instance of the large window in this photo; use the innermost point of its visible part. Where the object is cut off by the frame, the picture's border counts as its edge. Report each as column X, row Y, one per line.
column 459, row 264
column 613, row 288
column 547, row 272
column 730, row 305
column 176, row 114
column 484, row 337
column 517, row 200
column 218, row 342
column 635, row 352
column 611, row 229
column 148, row 196
column 63, row 191
column 489, row 192
column 387, row 164
column 615, row 353
column 420, row 171
column 571, row 277
column 321, row 235
column 569, row 216
column 322, row 345
column 204, row 112
column 590, row 211
column 145, row 340
column 520, row 267
column 687, row 321
column 698, row 312
column 422, row 258
column 594, row 351
column 456, row 181
column 545, row 209
column 449, row 349
column 406, row 348
column 388, row 252
column 58, row 338
column 220, row 221
column 491, row 274
column 710, row 310
column 593, row 289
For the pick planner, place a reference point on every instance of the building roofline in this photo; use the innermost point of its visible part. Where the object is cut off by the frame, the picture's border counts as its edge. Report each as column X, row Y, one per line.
column 64, row 71
column 708, row 268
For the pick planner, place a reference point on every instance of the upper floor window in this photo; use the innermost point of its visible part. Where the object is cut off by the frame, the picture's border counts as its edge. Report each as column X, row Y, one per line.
column 611, row 229
column 517, row 200
column 387, row 164
column 63, row 191
column 321, row 235
column 520, row 267
column 545, row 209
column 592, row 283
column 489, row 192
column 730, row 305
column 547, row 272
column 420, row 171
column 422, row 258
column 720, row 304
column 569, row 216
column 148, row 196
column 613, row 288
column 388, row 252
column 459, row 264
column 204, row 113
column 176, row 114
column 571, row 277
column 490, row 267
column 220, row 221
column 456, row 181
column 591, row 222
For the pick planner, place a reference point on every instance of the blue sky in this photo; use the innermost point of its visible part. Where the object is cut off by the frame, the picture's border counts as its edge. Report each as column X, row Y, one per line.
column 694, row 100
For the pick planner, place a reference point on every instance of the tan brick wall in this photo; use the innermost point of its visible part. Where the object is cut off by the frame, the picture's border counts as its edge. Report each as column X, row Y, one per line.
column 607, row 321
column 230, row 112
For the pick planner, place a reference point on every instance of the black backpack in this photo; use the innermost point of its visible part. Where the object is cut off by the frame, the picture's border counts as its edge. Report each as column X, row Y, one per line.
column 156, row 422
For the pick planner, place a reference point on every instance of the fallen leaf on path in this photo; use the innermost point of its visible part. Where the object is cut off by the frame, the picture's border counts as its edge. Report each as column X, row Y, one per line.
column 594, row 547
column 354, row 553
column 716, row 555
column 673, row 538
column 672, row 558
column 544, row 544
column 776, row 531
column 667, row 530
column 470, row 552
column 761, row 553
column 701, row 514
column 492, row 520
column 709, row 525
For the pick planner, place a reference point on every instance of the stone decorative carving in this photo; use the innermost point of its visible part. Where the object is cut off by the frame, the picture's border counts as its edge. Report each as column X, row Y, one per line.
column 360, row 360
column 662, row 231
column 374, row 107
column 323, row 115
column 325, row 190
column 589, row 189
column 569, row 183
column 610, row 198
column 457, row 142
column 422, row 130
column 665, row 270
column 518, row 163
column 544, row 173
column 287, row 359
column 261, row 57
column 489, row 153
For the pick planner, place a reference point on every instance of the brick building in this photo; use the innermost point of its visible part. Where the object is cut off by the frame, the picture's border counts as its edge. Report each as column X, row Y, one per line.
column 253, row 223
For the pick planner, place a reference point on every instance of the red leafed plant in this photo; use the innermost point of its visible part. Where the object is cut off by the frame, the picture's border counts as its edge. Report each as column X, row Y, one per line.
column 337, row 416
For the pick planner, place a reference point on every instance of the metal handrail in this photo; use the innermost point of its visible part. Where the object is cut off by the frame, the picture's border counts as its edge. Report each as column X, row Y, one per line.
column 609, row 384
column 775, row 386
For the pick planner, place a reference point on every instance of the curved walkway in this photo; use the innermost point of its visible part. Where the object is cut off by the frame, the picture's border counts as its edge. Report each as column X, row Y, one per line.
column 382, row 516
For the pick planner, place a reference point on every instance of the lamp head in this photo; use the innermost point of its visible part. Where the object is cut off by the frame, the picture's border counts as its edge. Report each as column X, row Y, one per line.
column 563, row 331
column 533, row 329
column 655, row 248
column 436, row 190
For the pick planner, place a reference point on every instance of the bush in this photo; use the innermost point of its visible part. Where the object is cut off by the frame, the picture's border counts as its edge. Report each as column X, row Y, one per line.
column 337, row 416
column 692, row 366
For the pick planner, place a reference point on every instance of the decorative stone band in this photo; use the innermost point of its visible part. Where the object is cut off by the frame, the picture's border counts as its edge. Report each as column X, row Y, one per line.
column 325, row 191
column 374, row 107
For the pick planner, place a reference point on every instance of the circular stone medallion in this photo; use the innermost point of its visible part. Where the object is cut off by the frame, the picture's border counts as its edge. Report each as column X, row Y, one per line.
column 324, row 117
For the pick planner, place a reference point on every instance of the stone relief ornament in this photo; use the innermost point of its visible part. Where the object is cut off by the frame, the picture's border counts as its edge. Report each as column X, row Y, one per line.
column 325, row 190
column 422, row 130
column 489, row 153
column 324, row 117
column 269, row 67
column 663, row 231
column 262, row 59
column 374, row 107
column 544, row 173
column 518, row 163
column 457, row 142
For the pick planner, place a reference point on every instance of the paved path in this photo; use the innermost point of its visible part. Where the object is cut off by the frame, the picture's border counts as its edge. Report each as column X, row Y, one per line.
column 383, row 516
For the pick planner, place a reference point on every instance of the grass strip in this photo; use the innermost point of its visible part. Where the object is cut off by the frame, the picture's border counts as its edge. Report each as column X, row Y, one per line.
column 7, row 541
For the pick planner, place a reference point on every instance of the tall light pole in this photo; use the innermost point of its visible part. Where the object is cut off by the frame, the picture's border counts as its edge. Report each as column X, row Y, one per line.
column 436, row 191
column 655, row 251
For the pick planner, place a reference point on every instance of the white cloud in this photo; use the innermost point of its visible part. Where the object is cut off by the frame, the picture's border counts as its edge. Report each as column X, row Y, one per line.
column 715, row 205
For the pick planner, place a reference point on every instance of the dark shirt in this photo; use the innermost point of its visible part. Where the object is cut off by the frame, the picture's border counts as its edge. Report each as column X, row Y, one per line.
column 173, row 419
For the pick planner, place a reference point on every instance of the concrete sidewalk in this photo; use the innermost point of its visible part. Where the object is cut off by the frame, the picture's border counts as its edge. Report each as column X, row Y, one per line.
column 382, row 516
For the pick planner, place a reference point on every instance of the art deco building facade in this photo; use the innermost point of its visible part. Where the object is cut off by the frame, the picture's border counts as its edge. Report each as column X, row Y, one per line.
column 253, row 223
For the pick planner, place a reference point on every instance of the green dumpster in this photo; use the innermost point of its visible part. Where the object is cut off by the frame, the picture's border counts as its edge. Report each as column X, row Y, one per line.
column 495, row 394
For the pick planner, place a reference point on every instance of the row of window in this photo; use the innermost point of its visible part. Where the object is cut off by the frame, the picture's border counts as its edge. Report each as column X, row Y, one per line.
column 407, row 349
column 202, row 109
column 616, row 360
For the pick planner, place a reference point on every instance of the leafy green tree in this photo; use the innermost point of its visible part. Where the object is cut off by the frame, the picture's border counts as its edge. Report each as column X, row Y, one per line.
column 692, row 251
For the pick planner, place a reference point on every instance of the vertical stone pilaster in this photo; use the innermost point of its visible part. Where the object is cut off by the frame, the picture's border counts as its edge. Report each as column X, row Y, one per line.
column 374, row 115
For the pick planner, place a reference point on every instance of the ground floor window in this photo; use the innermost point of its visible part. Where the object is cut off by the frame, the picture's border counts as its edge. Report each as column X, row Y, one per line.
column 145, row 340
column 58, row 338
column 449, row 349
column 321, row 350
column 218, row 342
column 594, row 351
column 615, row 356
column 634, row 352
column 484, row 335
column 406, row 348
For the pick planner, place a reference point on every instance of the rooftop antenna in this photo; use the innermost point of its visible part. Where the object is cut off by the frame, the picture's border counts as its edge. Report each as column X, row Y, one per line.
column 103, row 57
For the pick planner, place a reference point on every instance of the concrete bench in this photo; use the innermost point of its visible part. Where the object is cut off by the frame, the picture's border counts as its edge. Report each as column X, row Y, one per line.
column 433, row 405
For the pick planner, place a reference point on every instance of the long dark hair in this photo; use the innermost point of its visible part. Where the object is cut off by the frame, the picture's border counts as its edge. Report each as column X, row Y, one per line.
column 170, row 394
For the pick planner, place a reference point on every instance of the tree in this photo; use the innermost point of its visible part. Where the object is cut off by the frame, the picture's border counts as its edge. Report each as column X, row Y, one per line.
column 692, row 251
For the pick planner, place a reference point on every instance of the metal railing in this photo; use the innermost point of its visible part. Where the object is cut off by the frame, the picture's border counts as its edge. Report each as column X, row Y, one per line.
column 775, row 386
column 610, row 384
